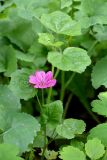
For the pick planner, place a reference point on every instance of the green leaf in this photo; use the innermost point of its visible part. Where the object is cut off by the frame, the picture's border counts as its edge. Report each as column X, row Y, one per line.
column 8, row 99
column 100, row 106
column 48, row 40
column 65, row 3
column 94, row 149
column 99, row 132
column 72, row 59
column 100, row 32
column 105, row 156
column 24, row 56
column 99, row 73
column 3, row 118
column 39, row 140
column 24, row 129
column 38, row 51
column 52, row 113
column 5, row 5
column 61, row 23
column 18, row 30
column 70, row 128
column 25, row 3
column 9, row 152
column 20, row 86
column 92, row 12
column 31, row 9
column 6, row 116
column 51, row 117
column 9, row 105
column 51, row 154
column 8, row 62
column 78, row 144
column 71, row 152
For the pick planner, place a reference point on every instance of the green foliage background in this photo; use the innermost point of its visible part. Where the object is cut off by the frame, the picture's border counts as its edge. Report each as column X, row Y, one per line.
column 71, row 36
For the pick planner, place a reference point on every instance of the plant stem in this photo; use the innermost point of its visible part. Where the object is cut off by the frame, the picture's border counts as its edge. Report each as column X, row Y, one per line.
column 31, row 156
column 39, row 102
column 26, row 156
column 45, row 145
column 87, row 107
column 49, row 95
column 62, row 85
column 93, row 45
column 42, row 97
column 57, row 72
column 67, row 105
column 69, row 80
column 50, row 89
column 53, row 69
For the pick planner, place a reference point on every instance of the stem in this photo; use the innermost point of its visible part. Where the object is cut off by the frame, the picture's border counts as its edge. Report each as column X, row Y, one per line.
column 51, row 140
column 93, row 45
column 26, row 156
column 39, row 102
column 42, row 97
column 53, row 70
column 62, row 85
column 50, row 89
column 67, row 105
column 49, row 95
column 45, row 145
column 57, row 72
column 69, row 80
column 31, row 156
column 87, row 107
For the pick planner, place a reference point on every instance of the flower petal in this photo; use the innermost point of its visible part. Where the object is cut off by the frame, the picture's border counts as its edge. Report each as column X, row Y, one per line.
column 42, row 80
column 49, row 75
column 40, row 76
column 51, row 83
column 40, row 86
column 32, row 79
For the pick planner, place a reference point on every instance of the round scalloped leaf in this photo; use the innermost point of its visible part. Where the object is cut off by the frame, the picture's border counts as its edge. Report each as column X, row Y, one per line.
column 94, row 149
column 78, row 144
column 100, row 106
column 52, row 116
column 6, row 116
column 8, row 62
column 100, row 132
column 52, row 113
column 9, row 105
column 25, row 56
column 68, row 153
column 48, row 40
column 39, row 140
column 8, row 99
column 70, row 127
column 99, row 73
column 66, row 3
column 9, row 152
column 20, row 86
column 61, row 23
column 24, row 129
column 72, row 59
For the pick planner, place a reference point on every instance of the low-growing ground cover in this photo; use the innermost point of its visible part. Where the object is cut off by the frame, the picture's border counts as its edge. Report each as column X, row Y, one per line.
column 53, row 79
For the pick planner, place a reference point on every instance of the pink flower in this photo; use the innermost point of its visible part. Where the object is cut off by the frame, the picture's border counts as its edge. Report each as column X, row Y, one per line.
column 42, row 80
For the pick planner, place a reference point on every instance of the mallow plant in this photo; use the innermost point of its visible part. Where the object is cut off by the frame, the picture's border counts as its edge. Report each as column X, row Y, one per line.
column 53, row 79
